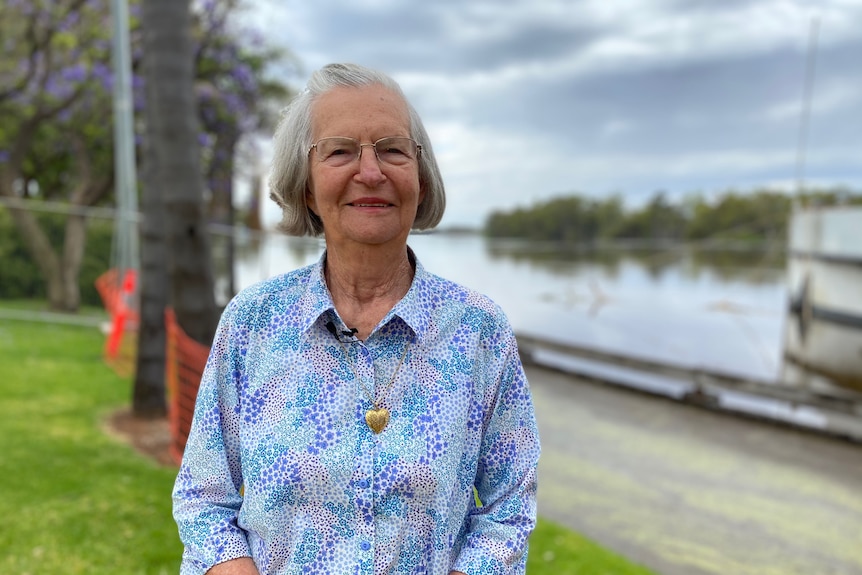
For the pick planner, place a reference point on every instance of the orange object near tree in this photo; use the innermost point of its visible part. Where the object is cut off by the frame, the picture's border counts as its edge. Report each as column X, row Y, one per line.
column 185, row 362
column 119, row 300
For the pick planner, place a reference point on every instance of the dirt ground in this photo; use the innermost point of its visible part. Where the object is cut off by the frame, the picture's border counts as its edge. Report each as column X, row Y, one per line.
column 151, row 437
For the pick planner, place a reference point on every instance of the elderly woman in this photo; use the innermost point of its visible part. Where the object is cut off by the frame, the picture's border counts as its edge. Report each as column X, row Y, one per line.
column 360, row 415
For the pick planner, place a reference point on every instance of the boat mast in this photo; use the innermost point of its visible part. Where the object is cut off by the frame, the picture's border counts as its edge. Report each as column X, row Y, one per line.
column 805, row 114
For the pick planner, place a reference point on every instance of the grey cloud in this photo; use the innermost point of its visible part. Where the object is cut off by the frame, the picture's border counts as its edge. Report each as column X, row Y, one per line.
column 710, row 104
column 490, row 72
column 428, row 37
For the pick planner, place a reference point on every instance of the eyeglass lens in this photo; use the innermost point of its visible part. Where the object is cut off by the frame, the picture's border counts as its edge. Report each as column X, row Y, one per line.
column 338, row 151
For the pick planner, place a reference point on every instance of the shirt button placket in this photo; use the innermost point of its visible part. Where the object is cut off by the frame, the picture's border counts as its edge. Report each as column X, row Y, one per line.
column 365, row 524
column 365, row 485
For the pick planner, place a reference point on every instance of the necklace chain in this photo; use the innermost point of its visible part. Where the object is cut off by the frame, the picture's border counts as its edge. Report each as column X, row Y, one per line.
column 378, row 417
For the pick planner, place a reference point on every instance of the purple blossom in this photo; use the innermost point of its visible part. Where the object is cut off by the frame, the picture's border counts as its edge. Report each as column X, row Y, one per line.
column 104, row 75
column 244, row 77
column 71, row 20
column 26, row 8
column 74, row 73
column 58, row 90
column 45, row 18
column 204, row 139
column 208, row 113
column 210, row 17
column 235, row 105
column 226, row 56
column 4, row 156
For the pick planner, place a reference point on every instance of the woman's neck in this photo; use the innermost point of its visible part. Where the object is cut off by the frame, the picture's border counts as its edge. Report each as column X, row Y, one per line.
column 366, row 283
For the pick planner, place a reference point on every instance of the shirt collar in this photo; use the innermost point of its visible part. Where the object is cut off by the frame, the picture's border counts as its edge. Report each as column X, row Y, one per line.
column 317, row 300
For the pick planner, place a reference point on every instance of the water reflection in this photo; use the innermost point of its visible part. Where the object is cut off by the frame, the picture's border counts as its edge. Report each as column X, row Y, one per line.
column 723, row 309
column 731, row 264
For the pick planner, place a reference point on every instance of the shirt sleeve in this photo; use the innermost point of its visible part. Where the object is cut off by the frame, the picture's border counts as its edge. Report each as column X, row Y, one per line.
column 497, row 532
column 207, row 492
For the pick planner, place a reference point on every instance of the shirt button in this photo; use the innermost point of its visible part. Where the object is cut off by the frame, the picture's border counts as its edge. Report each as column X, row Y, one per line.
column 363, row 484
column 365, row 545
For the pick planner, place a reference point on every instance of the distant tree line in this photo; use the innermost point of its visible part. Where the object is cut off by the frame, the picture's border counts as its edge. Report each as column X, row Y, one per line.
column 757, row 217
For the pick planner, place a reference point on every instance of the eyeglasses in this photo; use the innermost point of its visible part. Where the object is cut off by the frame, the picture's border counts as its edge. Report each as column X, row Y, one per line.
column 339, row 151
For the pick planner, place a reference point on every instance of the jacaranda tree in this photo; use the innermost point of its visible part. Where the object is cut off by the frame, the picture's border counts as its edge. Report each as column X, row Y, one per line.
column 54, row 144
column 55, row 130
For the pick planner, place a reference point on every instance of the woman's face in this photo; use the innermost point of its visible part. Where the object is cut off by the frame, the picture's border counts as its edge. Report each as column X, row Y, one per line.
column 365, row 201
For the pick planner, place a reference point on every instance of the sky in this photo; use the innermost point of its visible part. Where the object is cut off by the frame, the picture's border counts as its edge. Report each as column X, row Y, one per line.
column 526, row 100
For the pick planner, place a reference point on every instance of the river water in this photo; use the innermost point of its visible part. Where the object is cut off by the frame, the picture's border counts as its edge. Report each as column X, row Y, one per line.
column 718, row 310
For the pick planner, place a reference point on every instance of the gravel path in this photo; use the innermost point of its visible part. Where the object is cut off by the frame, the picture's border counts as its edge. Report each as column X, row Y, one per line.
column 686, row 491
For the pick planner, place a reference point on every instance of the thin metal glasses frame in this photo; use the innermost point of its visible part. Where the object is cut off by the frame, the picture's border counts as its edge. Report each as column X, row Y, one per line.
column 360, row 145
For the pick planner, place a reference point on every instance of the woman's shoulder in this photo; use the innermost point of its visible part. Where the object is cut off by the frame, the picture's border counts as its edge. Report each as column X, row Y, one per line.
column 284, row 288
column 452, row 295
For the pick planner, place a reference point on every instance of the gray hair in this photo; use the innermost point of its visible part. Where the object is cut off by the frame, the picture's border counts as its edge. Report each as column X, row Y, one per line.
column 288, row 179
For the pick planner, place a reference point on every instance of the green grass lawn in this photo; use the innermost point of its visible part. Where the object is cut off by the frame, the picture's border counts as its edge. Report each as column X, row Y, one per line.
column 76, row 500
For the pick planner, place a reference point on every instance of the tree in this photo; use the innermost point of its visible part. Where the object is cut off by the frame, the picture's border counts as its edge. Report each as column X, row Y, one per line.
column 172, row 131
column 148, row 391
column 234, row 100
column 758, row 217
column 55, row 85
column 52, row 142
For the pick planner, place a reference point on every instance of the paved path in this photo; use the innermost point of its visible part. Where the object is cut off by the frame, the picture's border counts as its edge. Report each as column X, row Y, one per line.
column 686, row 491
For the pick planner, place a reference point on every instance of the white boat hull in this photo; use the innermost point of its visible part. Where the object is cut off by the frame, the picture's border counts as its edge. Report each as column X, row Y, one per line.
column 824, row 327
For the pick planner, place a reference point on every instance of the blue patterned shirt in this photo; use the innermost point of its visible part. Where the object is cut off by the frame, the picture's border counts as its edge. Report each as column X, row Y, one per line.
column 281, row 466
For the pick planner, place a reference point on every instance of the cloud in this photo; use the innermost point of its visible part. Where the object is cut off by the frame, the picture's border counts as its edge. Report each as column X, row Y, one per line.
column 527, row 99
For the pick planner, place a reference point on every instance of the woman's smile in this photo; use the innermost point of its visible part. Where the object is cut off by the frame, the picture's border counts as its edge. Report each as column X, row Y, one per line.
column 370, row 203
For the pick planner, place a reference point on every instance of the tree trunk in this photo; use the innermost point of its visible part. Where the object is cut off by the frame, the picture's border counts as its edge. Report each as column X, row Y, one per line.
column 73, row 254
column 35, row 239
column 148, row 395
column 46, row 258
column 60, row 271
column 220, row 179
column 172, row 131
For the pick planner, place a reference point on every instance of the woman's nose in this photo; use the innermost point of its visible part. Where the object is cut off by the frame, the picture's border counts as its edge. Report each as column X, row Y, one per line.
column 369, row 166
